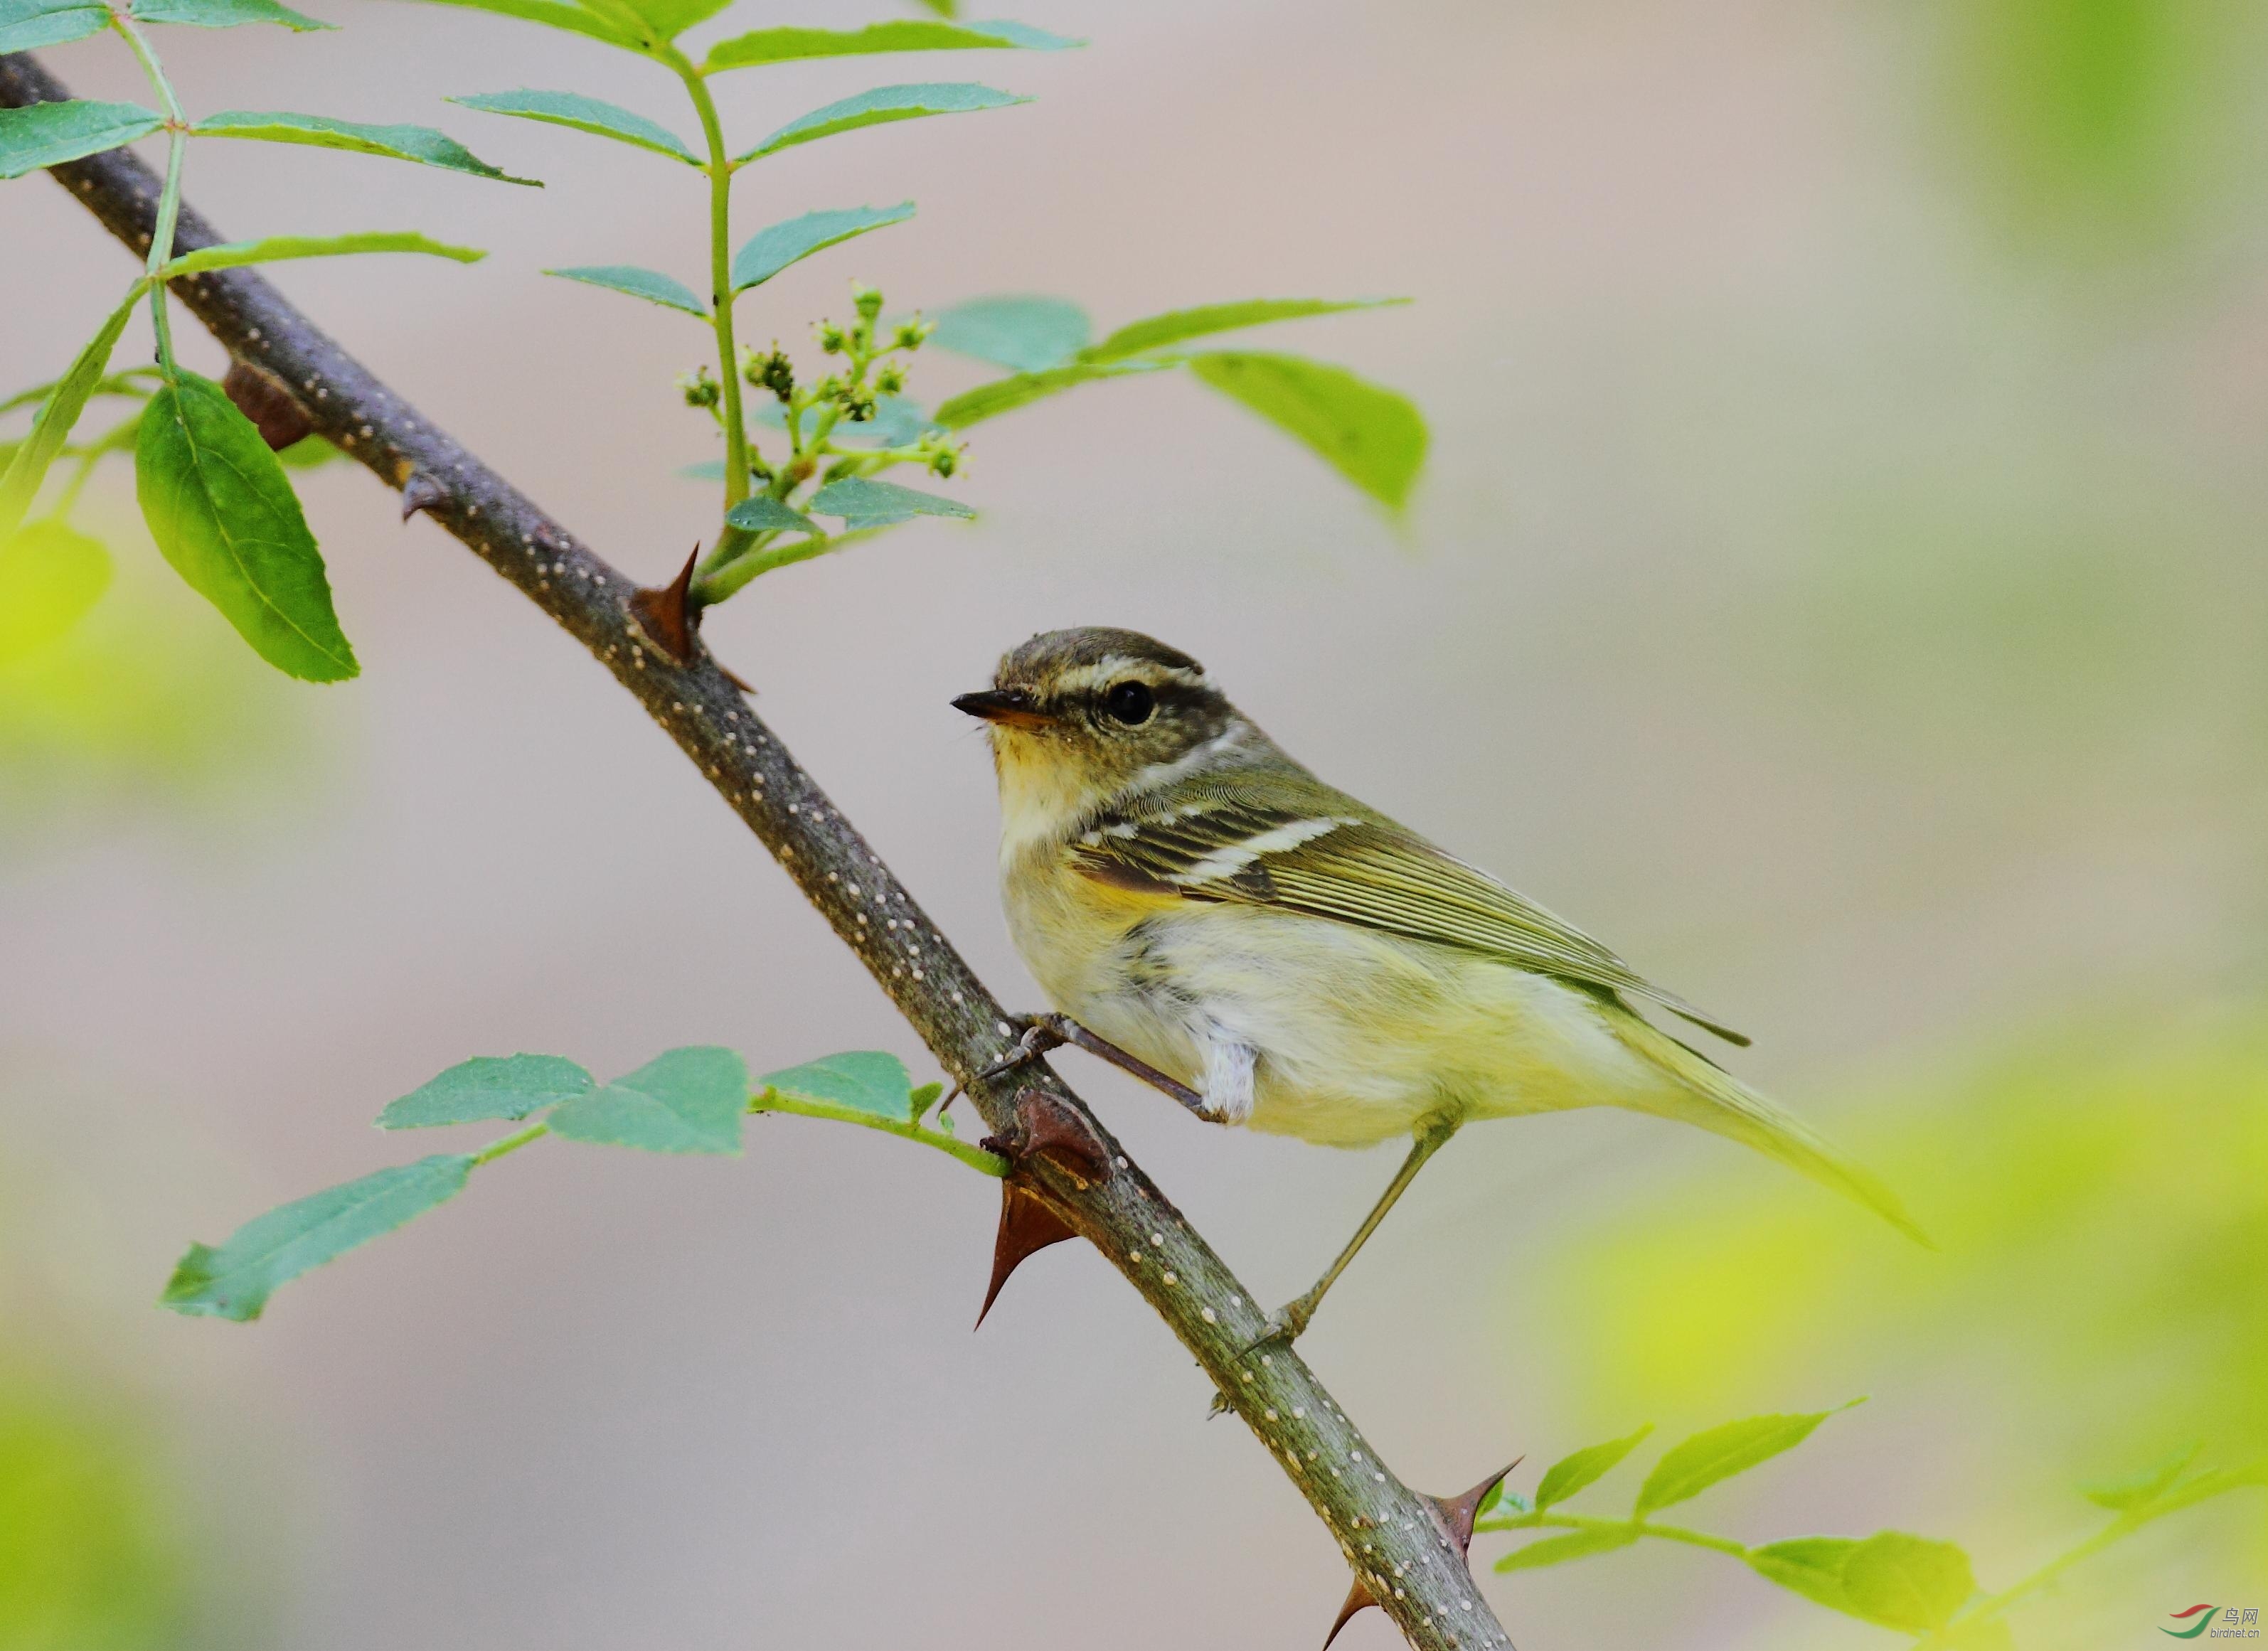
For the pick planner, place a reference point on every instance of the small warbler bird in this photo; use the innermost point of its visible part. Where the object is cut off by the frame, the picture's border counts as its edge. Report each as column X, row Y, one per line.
column 1208, row 913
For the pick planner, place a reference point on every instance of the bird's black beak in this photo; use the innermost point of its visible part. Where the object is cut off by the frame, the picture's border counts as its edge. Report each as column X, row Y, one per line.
column 1011, row 706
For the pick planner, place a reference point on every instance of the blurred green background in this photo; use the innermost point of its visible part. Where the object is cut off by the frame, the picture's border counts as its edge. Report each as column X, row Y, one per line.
column 1838, row 586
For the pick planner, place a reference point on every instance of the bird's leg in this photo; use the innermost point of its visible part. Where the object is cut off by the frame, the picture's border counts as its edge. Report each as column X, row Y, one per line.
column 1289, row 1321
column 1044, row 1032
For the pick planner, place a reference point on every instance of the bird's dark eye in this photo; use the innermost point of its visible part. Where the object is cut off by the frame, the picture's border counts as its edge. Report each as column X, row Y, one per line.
column 1129, row 702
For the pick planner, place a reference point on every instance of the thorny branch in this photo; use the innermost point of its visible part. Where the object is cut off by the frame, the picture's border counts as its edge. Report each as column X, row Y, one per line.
column 1406, row 1548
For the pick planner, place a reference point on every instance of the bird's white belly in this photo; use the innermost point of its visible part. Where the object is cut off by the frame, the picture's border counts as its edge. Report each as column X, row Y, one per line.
column 1359, row 1036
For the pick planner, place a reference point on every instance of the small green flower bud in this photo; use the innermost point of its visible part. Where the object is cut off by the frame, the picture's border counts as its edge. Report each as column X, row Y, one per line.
column 944, row 462
column 890, row 381
column 831, row 338
column 700, row 386
column 869, row 300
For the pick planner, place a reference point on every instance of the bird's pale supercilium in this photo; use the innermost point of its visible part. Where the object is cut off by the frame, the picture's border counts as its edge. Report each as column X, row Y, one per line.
column 1183, row 890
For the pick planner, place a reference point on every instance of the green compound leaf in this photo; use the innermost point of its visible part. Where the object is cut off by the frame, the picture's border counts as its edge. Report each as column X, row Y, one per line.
column 27, row 467
column 419, row 143
column 687, row 1100
column 486, row 1086
column 864, row 503
column 27, row 24
column 555, row 14
column 48, row 134
column 864, row 1080
column 649, row 285
column 223, row 14
column 1809, row 1566
column 50, row 575
column 584, row 114
column 1586, row 1467
column 1373, row 437
column 223, row 514
column 785, row 45
column 764, row 514
column 772, row 249
column 879, row 107
column 1904, row 1582
column 1179, row 325
column 1718, row 1453
column 2143, row 1488
column 1576, row 1545
column 1025, row 331
column 277, row 248
column 235, row 1281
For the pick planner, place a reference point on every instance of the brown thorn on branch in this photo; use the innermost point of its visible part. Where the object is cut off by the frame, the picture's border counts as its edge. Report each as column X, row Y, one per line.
column 261, row 398
column 1456, row 1514
column 421, row 492
column 668, row 614
column 1029, row 1224
column 1043, row 1127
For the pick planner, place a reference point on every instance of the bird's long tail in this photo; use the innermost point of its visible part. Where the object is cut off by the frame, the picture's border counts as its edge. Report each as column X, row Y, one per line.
column 1707, row 1095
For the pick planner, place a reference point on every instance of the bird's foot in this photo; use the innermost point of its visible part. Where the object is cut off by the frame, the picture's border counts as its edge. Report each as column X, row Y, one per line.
column 1039, row 1038
column 1045, row 1033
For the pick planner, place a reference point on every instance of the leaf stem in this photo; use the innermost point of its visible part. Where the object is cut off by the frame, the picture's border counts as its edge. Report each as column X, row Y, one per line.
column 169, row 200
column 512, row 1142
column 1638, row 1527
column 719, row 169
column 976, row 1158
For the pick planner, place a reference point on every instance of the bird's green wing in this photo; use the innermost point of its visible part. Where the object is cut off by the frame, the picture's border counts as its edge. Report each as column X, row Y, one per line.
column 1259, row 845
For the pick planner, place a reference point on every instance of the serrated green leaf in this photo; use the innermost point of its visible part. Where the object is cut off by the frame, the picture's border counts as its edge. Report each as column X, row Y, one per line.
column 27, row 467
column 772, row 249
column 1575, row 1544
column 662, row 19
column 687, row 1100
column 50, row 575
column 555, row 14
column 1179, row 325
column 2118, row 1495
column 584, row 114
column 1005, row 395
column 1026, row 331
column 419, row 143
column 1584, row 1467
column 223, row 14
column 786, row 45
column 224, row 515
column 1693, row 1465
column 27, row 24
column 1809, row 1566
column 864, row 503
column 309, row 452
column 235, row 1279
column 764, row 514
column 1906, row 1581
column 488, row 1087
column 49, row 133
column 1373, row 437
column 649, row 285
column 277, row 248
column 879, row 107
column 864, row 1080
